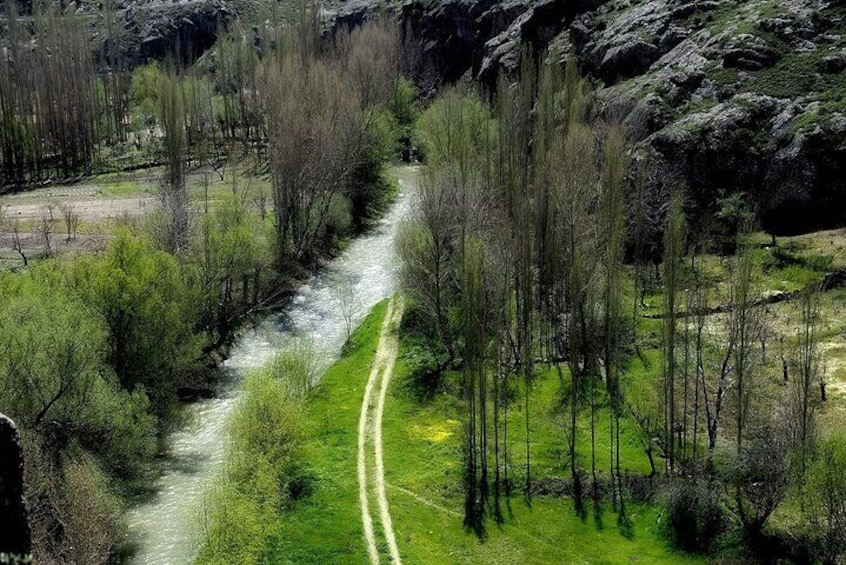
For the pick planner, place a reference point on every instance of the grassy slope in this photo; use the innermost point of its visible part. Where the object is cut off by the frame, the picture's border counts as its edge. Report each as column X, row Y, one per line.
column 422, row 459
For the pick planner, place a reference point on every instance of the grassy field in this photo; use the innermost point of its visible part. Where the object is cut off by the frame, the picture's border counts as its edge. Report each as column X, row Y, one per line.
column 103, row 203
column 422, row 441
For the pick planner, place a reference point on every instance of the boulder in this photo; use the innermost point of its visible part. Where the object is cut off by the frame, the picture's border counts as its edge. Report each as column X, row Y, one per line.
column 628, row 59
column 15, row 543
column 833, row 64
column 749, row 52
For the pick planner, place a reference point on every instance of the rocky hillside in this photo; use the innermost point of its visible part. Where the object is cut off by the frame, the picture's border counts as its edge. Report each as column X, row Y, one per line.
column 726, row 96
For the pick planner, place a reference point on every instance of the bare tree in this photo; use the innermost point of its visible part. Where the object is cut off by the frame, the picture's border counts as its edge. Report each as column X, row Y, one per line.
column 174, row 195
column 316, row 134
column 349, row 303
column 426, row 246
column 762, row 473
column 71, row 218
column 806, row 362
column 11, row 227
column 613, row 237
column 674, row 249
column 45, row 227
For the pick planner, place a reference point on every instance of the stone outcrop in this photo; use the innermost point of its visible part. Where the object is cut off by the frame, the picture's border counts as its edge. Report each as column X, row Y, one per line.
column 154, row 30
column 730, row 96
column 14, row 530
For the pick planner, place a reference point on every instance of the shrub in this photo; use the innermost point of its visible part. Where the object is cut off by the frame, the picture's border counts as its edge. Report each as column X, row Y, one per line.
column 91, row 512
column 140, row 297
column 693, row 515
column 826, row 505
column 262, row 475
column 118, row 426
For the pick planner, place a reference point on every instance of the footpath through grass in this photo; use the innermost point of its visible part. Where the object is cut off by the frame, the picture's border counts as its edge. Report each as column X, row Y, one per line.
column 422, row 441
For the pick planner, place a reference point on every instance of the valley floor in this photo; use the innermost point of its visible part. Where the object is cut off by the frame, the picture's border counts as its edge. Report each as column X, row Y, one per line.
column 422, row 453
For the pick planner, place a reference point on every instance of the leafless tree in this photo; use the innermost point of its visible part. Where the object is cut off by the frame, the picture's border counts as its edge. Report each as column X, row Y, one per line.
column 45, row 229
column 349, row 303
column 11, row 227
column 806, row 363
column 71, row 217
column 674, row 251
column 316, row 133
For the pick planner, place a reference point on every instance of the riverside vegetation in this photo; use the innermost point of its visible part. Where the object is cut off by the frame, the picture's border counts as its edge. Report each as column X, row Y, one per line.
column 589, row 367
column 97, row 348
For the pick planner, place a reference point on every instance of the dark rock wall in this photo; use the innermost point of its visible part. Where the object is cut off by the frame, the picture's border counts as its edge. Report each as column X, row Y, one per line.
column 14, row 530
column 156, row 30
column 728, row 96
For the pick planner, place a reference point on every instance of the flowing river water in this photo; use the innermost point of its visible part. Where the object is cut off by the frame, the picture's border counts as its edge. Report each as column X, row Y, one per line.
column 166, row 529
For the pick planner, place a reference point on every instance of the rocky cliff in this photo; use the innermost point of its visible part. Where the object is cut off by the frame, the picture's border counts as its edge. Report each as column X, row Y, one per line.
column 146, row 30
column 14, row 529
column 726, row 96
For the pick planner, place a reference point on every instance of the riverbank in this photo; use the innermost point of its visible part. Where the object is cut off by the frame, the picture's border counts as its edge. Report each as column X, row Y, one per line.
column 166, row 528
column 422, row 443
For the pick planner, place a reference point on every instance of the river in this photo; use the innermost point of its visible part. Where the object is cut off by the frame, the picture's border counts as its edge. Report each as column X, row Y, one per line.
column 165, row 530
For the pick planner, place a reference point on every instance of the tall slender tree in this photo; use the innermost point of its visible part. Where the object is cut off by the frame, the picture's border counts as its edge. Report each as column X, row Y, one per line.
column 674, row 247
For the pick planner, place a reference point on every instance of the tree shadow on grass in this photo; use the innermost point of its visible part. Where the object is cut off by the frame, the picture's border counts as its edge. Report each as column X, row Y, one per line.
column 597, row 515
column 625, row 525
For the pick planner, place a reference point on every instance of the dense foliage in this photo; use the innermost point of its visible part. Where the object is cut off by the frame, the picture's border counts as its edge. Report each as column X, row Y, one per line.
column 96, row 351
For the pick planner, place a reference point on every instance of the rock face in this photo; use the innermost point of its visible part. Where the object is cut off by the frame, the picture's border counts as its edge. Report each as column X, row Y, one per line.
column 15, row 538
column 730, row 96
column 153, row 30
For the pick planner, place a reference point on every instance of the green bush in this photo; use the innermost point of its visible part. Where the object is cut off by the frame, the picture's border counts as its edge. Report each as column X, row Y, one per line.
column 455, row 130
column 92, row 512
column 404, row 106
column 230, row 260
column 693, row 515
column 141, row 300
column 119, row 427
column 51, row 349
column 826, row 504
column 263, row 474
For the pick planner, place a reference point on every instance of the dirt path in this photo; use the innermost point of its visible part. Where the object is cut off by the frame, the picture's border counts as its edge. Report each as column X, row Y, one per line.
column 393, row 350
column 370, row 431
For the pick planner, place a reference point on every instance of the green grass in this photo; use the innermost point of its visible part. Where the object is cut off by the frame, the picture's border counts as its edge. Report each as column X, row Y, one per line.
column 125, row 186
column 326, row 527
column 423, row 467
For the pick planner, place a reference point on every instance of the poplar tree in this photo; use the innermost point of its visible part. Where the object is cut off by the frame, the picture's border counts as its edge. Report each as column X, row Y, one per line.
column 674, row 247
column 174, row 194
column 806, row 360
column 613, row 212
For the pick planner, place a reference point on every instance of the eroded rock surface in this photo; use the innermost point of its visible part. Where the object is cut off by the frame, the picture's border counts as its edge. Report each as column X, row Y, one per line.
column 729, row 96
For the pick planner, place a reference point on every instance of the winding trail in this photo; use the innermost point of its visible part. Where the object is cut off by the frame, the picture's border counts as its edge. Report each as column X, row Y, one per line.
column 370, row 431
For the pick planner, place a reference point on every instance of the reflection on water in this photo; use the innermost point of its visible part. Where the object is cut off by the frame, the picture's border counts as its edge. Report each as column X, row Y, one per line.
column 166, row 528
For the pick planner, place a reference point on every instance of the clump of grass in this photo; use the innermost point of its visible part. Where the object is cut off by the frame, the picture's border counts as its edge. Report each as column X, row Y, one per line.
column 263, row 474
